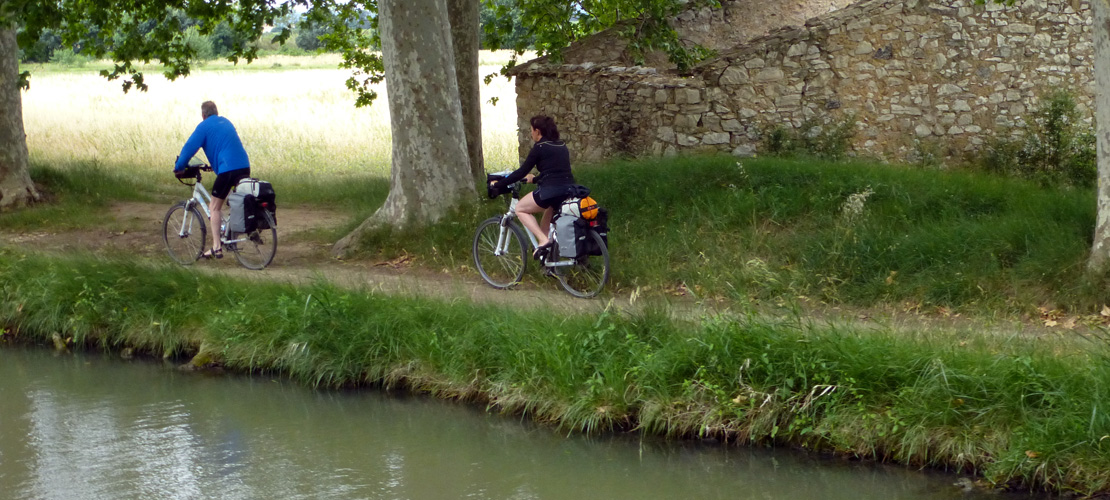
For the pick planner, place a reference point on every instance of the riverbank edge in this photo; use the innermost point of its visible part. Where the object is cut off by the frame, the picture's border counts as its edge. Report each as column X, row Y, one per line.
column 1011, row 411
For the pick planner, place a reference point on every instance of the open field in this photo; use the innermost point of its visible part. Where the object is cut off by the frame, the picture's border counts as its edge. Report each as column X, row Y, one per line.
column 294, row 114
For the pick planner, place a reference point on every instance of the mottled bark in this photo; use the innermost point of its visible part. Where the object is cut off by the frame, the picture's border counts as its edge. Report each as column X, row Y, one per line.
column 16, row 188
column 465, row 26
column 1101, row 31
column 430, row 171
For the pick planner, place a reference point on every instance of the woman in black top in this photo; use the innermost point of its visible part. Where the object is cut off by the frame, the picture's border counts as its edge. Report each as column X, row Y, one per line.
column 554, row 183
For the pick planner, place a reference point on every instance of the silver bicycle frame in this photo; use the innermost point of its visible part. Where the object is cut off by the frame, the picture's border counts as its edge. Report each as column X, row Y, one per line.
column 503, row 240
column 202, row 198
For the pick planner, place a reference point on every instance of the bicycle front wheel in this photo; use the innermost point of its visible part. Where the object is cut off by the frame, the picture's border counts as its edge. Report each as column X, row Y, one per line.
column 257, row 248
column 185, row 232
column 589, row 274
column 500, row 269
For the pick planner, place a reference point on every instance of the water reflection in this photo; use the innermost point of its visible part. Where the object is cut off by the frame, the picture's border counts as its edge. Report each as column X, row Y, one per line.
column 90, row 427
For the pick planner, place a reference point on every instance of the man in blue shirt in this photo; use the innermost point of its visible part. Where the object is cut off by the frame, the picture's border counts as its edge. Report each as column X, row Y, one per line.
column 221, row 144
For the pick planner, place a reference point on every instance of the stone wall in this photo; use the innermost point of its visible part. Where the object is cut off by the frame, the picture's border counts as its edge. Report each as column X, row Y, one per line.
column 910, row 72
column 734, row 23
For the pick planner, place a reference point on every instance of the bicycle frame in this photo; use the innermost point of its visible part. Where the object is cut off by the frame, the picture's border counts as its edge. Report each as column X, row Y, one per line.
column 503, row 242
column 202, row 198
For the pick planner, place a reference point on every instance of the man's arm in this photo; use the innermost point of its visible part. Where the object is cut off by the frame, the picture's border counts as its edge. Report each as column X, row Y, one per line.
column 195, row 142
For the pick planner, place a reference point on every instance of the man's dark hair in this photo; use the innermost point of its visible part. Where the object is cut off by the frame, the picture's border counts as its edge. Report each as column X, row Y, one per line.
column 208, row 108
column 546, row 126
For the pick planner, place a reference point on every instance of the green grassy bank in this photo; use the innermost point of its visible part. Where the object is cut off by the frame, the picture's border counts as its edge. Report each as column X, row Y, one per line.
column 1011, row 409
column 767, row 230
column 856, row 233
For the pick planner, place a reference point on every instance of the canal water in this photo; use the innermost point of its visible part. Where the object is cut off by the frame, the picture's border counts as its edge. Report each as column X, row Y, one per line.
column 95, row 427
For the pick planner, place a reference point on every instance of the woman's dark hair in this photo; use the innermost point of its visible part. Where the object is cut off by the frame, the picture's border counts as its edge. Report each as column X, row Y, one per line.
column 546, row 126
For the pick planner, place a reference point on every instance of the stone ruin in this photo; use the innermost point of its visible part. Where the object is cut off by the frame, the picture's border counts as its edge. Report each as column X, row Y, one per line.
column 911, row 72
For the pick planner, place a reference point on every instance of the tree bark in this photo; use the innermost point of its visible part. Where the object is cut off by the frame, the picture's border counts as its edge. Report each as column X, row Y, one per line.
column 16, row 188
column 430, row 171
column 1100, row 28
column 465, row 25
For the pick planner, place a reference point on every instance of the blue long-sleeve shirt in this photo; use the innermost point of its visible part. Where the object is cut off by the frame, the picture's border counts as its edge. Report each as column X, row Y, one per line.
column 221, row 145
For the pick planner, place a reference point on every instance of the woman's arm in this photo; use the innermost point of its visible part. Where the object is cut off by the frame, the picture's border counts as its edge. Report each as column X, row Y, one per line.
column 523, row 171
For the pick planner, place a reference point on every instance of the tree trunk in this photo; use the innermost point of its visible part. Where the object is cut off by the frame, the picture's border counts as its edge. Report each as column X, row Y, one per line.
column 1100, row 10
column 16, row 188
column 465, row 26
column 430, row 171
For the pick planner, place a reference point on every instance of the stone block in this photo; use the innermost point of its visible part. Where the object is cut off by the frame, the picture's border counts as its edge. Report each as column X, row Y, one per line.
column 712, row 122
column 687, row 140
column 769, row 75
column 1019, row 29
column 949, row 89
column 788, row 101
column 665, row 134
column 713, row 138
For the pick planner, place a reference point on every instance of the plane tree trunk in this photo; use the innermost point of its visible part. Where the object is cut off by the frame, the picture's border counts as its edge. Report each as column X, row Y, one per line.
column 430, row 173
column 16, row 188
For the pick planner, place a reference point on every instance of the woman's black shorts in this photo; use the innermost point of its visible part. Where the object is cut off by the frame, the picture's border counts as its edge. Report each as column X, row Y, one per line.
column 227, row 180
column 549, row 196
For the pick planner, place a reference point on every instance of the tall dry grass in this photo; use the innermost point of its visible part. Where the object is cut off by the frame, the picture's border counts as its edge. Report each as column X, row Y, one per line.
column 294, row 116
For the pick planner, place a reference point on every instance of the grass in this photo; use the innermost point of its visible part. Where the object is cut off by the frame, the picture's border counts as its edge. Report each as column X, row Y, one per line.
column 767, row 231
column 1016, row 410
column 774, row 230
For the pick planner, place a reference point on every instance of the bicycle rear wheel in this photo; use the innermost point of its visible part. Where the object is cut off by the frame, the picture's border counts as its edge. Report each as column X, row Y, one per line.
column 589, row 274
column 185, row 232
column 258, row 247
column 505, row 270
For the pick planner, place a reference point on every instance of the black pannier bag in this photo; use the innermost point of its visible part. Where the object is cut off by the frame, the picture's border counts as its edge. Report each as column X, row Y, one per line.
column 264, row 198
column 242, row 217
column 600, row 224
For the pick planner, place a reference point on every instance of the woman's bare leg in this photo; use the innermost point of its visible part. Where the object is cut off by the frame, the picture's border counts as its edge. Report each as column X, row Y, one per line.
column 524, row 210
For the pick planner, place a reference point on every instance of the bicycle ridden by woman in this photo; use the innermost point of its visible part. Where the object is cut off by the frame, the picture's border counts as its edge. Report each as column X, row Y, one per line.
column 555, row 181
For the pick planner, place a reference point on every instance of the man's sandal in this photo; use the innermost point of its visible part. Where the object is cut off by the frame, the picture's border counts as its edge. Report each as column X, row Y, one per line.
column 215, row 253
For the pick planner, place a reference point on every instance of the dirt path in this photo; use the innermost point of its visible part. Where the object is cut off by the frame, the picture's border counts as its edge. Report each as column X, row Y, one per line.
column 136, row 229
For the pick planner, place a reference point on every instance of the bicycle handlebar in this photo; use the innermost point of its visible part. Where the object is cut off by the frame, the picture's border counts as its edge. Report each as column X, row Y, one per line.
column 191, row 172
column 493, row 192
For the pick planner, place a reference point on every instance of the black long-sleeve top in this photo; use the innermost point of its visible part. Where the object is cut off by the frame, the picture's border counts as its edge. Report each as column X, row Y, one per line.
column 551, row 158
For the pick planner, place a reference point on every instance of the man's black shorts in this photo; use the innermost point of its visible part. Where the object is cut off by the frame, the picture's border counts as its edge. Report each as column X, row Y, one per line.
column 227, row 180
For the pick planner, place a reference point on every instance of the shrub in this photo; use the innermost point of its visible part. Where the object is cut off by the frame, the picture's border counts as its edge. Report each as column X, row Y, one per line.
column 67, row 57
column 1057, row 148
column 831, row 140
column 201, row 44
